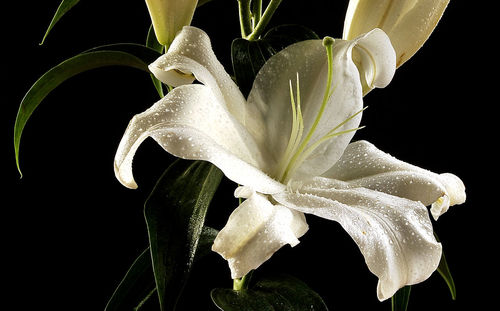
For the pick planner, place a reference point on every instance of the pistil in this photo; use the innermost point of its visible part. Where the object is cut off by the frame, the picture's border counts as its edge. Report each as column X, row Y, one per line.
column 328, row 44
column 298, row 149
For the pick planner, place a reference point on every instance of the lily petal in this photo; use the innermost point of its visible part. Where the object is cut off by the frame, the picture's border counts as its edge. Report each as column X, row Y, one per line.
column 409, row 23
column 309, row 60
column 363, row 165
column 270, row 114
column 394, row 234
column 270, row 110
column 376, row 58
column 191, row 56
column 190, row 123
column 256, row 230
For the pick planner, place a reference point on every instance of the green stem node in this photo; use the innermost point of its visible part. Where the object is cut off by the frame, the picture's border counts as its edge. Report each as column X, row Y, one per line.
column 264, row 20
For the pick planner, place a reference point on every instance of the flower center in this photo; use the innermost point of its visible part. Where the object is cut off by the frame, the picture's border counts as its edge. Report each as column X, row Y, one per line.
column 299, row 149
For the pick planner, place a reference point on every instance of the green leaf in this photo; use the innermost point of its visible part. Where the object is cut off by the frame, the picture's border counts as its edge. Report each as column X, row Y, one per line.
column 249, row 56
column 63, row 8
column 145, row 53
column 153, row 43
column 66, row 5
column 175, row 212
column 244, row 300
column 135, row 287
column 131, row 55
column 399, row 301
column 202, row 2
column 207, row 238
column 273, row 293
column 445, row 273
column 138, row 284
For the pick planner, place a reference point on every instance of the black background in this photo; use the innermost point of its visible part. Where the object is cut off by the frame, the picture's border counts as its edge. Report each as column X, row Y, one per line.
column 70, row 230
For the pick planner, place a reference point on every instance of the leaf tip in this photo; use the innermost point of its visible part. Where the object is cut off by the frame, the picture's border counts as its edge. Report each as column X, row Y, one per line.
column 19, row 168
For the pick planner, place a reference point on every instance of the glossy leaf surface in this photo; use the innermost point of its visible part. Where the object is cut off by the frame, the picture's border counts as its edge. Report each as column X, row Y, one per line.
column 62, row 9
column 130, row 55
column 274, row 293
column 249, row 56
column 399, row 301
column 175, row 212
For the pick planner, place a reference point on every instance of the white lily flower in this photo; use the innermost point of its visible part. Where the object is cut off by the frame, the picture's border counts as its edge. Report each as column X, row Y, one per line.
column 288, row 146
column 408, row 23
column 169, row 16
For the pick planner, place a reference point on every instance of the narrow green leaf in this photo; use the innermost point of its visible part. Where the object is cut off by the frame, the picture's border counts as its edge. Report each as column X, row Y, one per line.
column 131, row 55
column 67, row 5
column 138, row 285
column 202, row 2
column 63, row 8
column 445, row 273
column 399, row 301
column 207, row 238
column 175, row 212
column 145, row 53
column 249, row 56
column 153, row 43
column 274, row 293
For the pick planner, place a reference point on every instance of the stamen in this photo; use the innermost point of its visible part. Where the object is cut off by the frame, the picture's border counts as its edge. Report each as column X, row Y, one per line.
column 328, row 44
column 345, row 121
column 306, row 153
column 298, row 150
column 296, row 131
column 316, row 144
column 299, row 116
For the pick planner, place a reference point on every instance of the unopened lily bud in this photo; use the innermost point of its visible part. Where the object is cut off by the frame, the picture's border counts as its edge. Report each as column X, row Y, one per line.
column 408, row 23
column 169, row 16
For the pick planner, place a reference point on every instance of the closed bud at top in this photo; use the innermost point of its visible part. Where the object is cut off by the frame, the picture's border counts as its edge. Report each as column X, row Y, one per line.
column 408, row 23
column 169, row 16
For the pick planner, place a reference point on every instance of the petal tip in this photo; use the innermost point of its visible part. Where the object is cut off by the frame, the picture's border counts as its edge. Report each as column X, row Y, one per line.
column 127, row 182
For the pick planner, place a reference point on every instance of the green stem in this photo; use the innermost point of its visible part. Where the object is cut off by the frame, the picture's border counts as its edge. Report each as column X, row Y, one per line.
column 245, row 17
column 239, row 284
column 266, row 17
column 256, row 12
column 166, row 47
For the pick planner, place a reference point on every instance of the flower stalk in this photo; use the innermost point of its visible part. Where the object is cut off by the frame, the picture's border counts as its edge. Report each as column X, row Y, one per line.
column 245, row 17
column 252, row 21
column 242, row 283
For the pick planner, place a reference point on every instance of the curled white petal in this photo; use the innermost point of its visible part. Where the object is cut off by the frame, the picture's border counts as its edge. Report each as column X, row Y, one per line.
column 256, row 230
column 363, row 165
column 455, row 194
column 190, row 123
column 394, row 234
column 191, row 56
column 376, row 59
